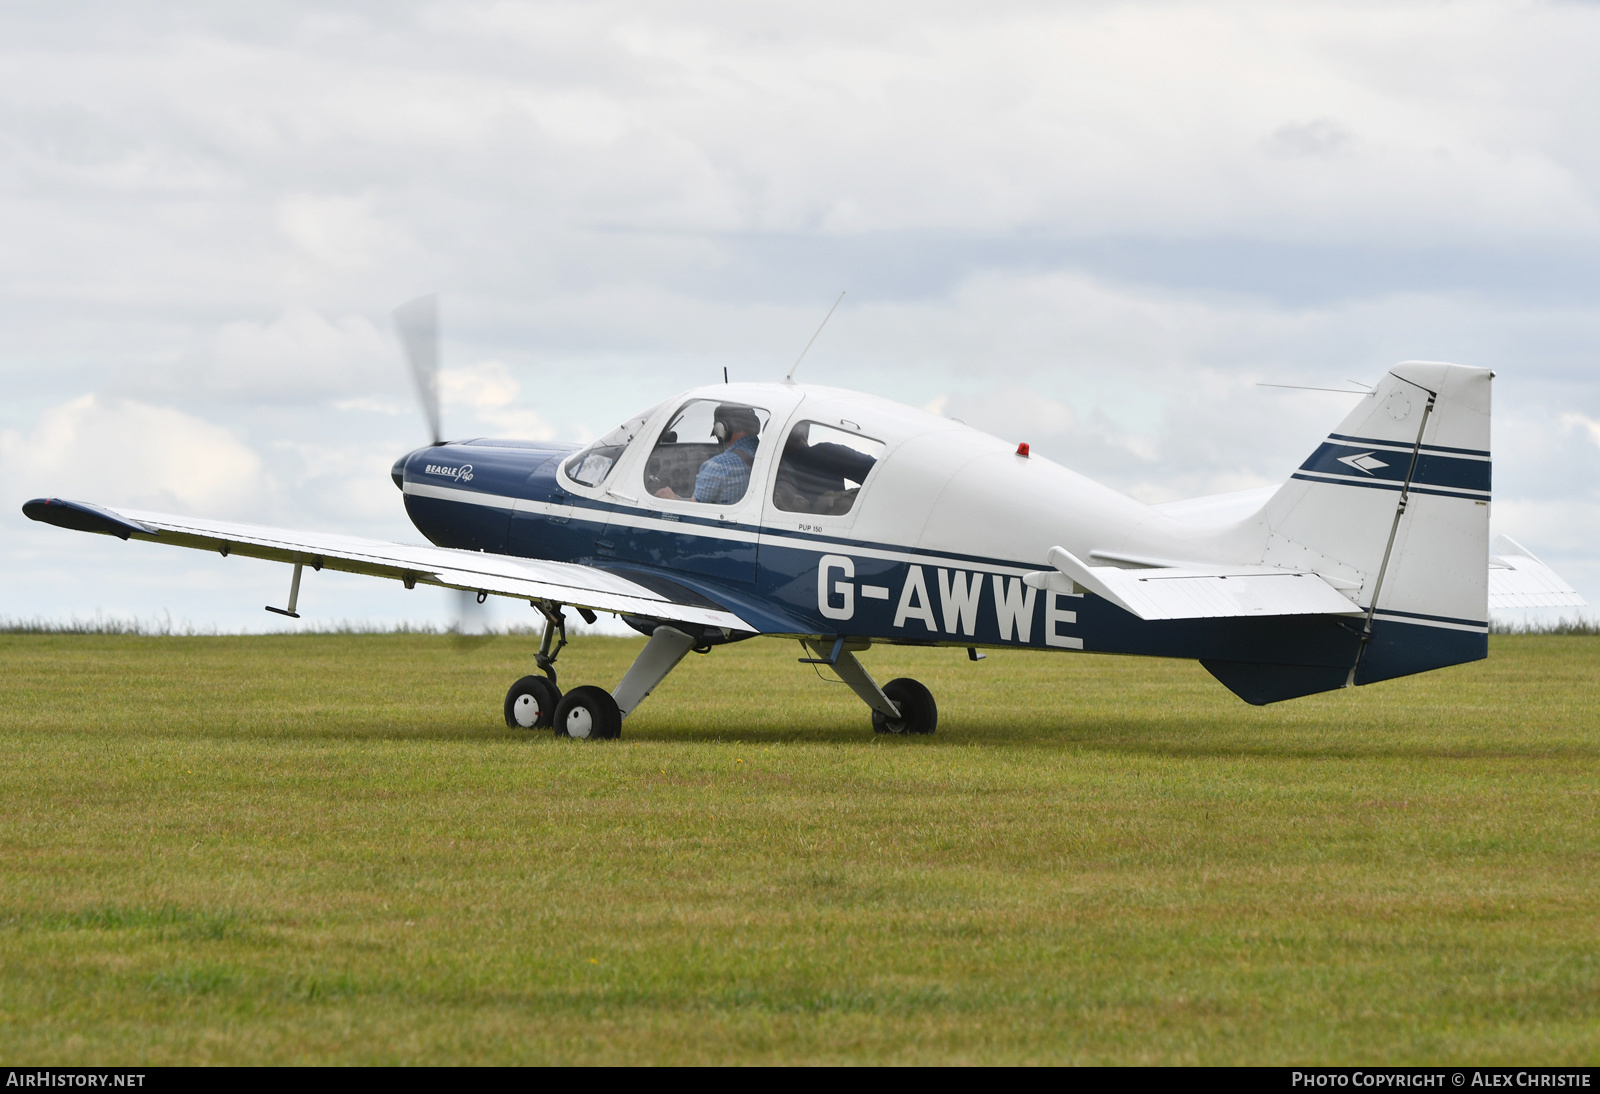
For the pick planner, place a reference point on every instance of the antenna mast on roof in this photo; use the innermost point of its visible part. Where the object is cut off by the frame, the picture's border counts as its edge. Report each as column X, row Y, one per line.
column 789, row 379
column 1359, row 389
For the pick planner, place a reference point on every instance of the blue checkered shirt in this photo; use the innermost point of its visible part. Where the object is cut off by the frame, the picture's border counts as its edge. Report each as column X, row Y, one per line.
column 724, row 478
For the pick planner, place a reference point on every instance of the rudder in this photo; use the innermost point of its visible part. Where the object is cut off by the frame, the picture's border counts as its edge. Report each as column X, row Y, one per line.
column 1395, row 503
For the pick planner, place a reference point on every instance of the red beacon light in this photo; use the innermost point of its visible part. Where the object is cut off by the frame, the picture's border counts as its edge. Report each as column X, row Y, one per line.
column 1022, row 449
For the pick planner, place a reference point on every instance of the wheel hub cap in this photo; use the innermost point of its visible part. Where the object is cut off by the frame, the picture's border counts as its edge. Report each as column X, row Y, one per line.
column 526, row 711
column 580, row 723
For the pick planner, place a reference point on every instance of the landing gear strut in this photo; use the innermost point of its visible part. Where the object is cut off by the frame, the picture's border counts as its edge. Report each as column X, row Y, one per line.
column 531, row 703
column 900, row 706
column 589, row 712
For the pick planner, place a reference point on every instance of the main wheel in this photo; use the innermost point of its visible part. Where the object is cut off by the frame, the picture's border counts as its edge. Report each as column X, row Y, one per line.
column 531, row 703
column 588, row 713
column 918, row 712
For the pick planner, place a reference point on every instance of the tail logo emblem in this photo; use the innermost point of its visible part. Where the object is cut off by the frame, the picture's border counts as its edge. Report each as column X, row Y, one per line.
column 1365, row 462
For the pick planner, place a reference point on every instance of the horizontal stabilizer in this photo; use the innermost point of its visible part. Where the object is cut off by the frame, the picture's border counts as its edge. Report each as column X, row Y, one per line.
column 1197, row 590
column 1519, row 580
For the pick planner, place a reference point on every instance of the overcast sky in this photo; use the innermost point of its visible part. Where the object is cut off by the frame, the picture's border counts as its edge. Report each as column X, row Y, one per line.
column 1092, row 226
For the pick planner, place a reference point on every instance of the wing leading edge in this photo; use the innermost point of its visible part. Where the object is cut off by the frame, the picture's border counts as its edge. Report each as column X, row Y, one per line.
column 524, row 578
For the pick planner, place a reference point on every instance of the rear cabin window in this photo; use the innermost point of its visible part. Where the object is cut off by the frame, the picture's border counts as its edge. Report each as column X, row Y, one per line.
column 705, row 453
column 822, row 469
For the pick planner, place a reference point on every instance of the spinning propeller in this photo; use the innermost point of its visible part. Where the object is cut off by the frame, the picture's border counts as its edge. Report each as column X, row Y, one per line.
column 418, row 323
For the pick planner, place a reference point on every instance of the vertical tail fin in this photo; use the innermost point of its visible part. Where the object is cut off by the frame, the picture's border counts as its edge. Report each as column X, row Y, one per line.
column 1397, row 499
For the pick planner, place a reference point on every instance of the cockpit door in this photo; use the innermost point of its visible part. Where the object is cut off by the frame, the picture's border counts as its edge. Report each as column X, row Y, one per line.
column 823, row 466
column 692, row 501
column 818, row 477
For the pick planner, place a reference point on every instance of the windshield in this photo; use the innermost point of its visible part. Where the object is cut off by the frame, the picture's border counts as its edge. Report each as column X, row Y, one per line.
column 590, row 466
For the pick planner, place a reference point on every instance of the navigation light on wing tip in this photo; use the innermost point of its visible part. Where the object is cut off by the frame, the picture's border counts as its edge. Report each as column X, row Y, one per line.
column 1022, row 449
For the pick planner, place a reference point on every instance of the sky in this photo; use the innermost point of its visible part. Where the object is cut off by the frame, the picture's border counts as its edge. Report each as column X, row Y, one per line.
column 1097, row 227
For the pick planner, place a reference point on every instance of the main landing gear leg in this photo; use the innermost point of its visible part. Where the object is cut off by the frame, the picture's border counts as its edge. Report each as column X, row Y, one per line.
column 531, row 703
column 660, row 656
column 591, row 712
column 900, row 706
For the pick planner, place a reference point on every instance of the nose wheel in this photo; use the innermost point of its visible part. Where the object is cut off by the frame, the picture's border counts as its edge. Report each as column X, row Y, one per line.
column 531, row 703
column 589, row 714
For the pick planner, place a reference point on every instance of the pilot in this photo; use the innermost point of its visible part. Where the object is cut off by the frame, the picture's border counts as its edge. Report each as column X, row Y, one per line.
column 723, row 479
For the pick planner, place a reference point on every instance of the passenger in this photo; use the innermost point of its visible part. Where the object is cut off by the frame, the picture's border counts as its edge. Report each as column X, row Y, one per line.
column 816, row 478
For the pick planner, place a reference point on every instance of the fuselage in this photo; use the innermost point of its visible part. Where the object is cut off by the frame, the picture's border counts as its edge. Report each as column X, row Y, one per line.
column 928, row 546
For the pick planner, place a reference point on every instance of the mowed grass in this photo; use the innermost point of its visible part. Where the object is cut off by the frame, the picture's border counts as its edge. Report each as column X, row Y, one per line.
column 308, row 849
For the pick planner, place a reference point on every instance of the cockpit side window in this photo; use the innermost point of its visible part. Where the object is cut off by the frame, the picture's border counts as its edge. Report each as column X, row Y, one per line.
column 591, row 465
column 822, row 469
column 705, row 452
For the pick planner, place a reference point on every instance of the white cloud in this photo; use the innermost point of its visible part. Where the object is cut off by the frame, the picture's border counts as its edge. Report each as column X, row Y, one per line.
column 1086, row 119
column 127, row 453
column 301, row 357
column 343, row 232
column 339, row 486
column 1320, row 137
column 492, row 395
column 1584, row 424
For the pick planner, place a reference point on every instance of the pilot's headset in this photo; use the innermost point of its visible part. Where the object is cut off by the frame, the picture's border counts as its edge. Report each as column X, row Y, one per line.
column 728, row 419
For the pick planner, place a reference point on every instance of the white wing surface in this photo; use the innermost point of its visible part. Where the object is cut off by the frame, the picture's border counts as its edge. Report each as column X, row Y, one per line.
column 1519, row 580
column 530, row 579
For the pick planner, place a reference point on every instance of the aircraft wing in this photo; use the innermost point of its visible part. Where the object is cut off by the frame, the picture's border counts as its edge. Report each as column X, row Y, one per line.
column 531, row 579
column 1179, row 590
column 1519, row 580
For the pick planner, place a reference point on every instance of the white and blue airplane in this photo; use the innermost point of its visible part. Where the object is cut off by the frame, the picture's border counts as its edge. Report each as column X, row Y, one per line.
column 845, row 520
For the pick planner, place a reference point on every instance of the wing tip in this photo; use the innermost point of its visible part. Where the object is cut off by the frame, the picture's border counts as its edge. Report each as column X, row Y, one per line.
column 80, row 516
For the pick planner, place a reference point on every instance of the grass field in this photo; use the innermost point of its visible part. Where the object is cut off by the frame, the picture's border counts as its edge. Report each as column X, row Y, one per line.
column 307, row 849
